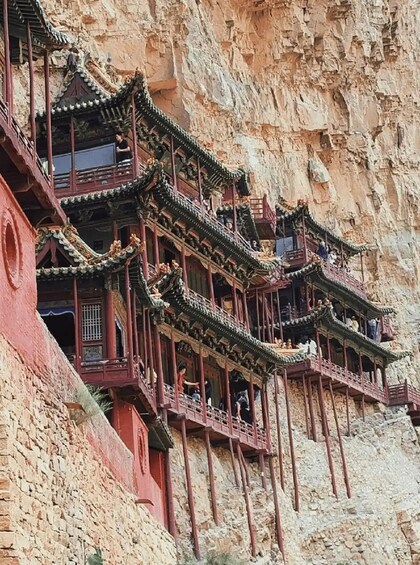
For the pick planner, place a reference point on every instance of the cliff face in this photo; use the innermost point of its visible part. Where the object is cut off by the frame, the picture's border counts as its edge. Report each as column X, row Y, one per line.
column 263, row 82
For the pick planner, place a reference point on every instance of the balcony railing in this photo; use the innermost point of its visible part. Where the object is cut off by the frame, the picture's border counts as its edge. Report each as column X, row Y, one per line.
column 403, row 394
column 359, row 383
column 95, row 179
column 344, row 277
column 217, row 419
column 265, row 218
column 222, row 314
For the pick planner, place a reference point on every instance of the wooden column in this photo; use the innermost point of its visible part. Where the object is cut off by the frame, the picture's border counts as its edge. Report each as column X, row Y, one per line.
column 340, row 443
column 145, row 348
column 184, row 267
column 134, row 132
column 279, row 313
column 150, row 346
column 156, row 246
column 235, row 301
column 202, row 385
column 363, row 407
column 348, row 412
column 211, row 288
column 245, row 307
column 345, row 354
column 272, row 317
column 173, row 165
column 305, row 247
column 48, row 115
column 189, row 490
column 291, row 442
column 232, row 456
column 129, row 320
column 7, row 63
column 329, row 348
column 72, row 155
column 375, row 373
column 305, row 402
column 211, row 478
column 144, row 257
column 279, row 439
column 252, row 406
column 111, row 346
column 361, row 266
column 135, row 331
column 174, row 371
column 77, row 336
column 170, row 496
column 159, row 366
column 200, row 188
column 228, row 403
column 326, row 432
column 235, row 219
column 251, row 526
column 258, row 315
column 311, row 409
column 115, row 230
column 31, row 86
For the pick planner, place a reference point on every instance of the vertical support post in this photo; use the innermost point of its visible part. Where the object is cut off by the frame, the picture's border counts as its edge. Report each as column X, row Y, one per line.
column 48, row 115
column 232, row 456
column 235, row 218
column 169, row 494
column 329, row 348
column 129, row 321
column 305, row 401
column 159, row 366
column 72, row 156
column 272, row 316
column 77, row 340
column 305, row 246
column 363, row 407
column 326, row 432
column 247, row 502
column 144, row 258
column 174, row 371
column 311, row 409
column 228, row 403
column 211, row 478
column 115, row 230
column 348, row 412
column 210, row 284
column 134, row 132
column 245, row 307
column 362, row 267
column 278, row 427
column 184, row 267
column 174, row 179
column 145, row 353
column 111, row 346
column 375, row 373
column 156, row 246
column 150, row 345
column 258, row 314
column 307, row 301
column 252, row 406
column 200, row 188
column 340, row 442
column 291, row 442
column 136, row 333
column 31, row 86
column 7, row 63
column 202, row 385
column 189, row 490
column 279, row 313
column 345, row 354
column 235, row 301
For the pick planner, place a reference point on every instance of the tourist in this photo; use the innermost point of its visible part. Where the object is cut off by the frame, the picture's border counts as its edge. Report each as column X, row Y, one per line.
column 122, row 148
column 354, row 324
column 372, row 328
column 196, row 395
column 242, row 407
column 208, row 391
column 322, row 250
column 180, row 377
column 313, row 348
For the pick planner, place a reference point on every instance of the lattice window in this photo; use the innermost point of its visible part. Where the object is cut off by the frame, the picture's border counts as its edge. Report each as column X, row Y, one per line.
column 91, row 322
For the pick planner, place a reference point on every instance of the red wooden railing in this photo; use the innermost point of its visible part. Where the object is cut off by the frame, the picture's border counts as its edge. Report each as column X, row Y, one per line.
column 217, row 419
column 261, row 210
column 403, row 394
column 97, row 178
column 344, row 277
column 225, row 316
column 328, row 369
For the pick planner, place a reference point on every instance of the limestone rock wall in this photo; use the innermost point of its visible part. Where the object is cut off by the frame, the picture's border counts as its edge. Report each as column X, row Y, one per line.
column 259, row 82
column 58, row 499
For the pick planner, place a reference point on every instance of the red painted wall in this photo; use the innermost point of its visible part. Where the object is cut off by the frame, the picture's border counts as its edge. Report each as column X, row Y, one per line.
column 149, row 471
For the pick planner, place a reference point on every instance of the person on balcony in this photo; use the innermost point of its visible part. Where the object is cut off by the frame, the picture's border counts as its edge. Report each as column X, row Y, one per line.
column 354, row 324
column 208, row 391
column 372, row 328
column 180, row 377
column 122, row 149
column 242, row 410
column 196, row 395
column 322, row 250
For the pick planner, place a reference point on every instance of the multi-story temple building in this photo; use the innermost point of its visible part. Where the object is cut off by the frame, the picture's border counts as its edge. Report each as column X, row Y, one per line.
column 168, row 285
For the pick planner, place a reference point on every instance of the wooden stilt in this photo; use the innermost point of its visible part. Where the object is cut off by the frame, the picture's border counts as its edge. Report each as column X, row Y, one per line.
column 291, row 443
column 174, row 371
column 232, row 456
column 261, row 462
column 326, row 433
column 257, row 305
column 129, row 320
column 340, row 443
column 150, row 347
column 169, row 490
column 348, row 412
column 211, row 478
column 159, row 367
column 305, row 402
column 77, row 340
column 245, row 468
column 363, row 407
column 48, row 119
column 311, row 410
column 279, row 440
column 247, row 502
column 202, row 385
column 189, row 490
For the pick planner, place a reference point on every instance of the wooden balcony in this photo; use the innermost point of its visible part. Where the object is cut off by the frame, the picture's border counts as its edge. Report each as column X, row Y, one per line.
column 402, row 394
column 295, row 258
column 217, row 422
column 358, row 385
column 264, row 217
column 95, row 179
column 23, row 172
column 342, row 276
column 222, row 314
column 109, row 373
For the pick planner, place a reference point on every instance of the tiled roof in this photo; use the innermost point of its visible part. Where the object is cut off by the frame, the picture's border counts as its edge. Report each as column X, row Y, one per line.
column 173, row 290
column 218, row 173
column 337, row 327
column 287, row 215
column 95, row 87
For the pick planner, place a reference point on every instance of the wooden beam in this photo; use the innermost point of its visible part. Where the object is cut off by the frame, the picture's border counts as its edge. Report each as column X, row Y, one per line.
column 251, row 526
column 326, row 432
column 190, row 491
column 279, row 439
column 211, row 478
column 291, row 443
column 340, row 443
